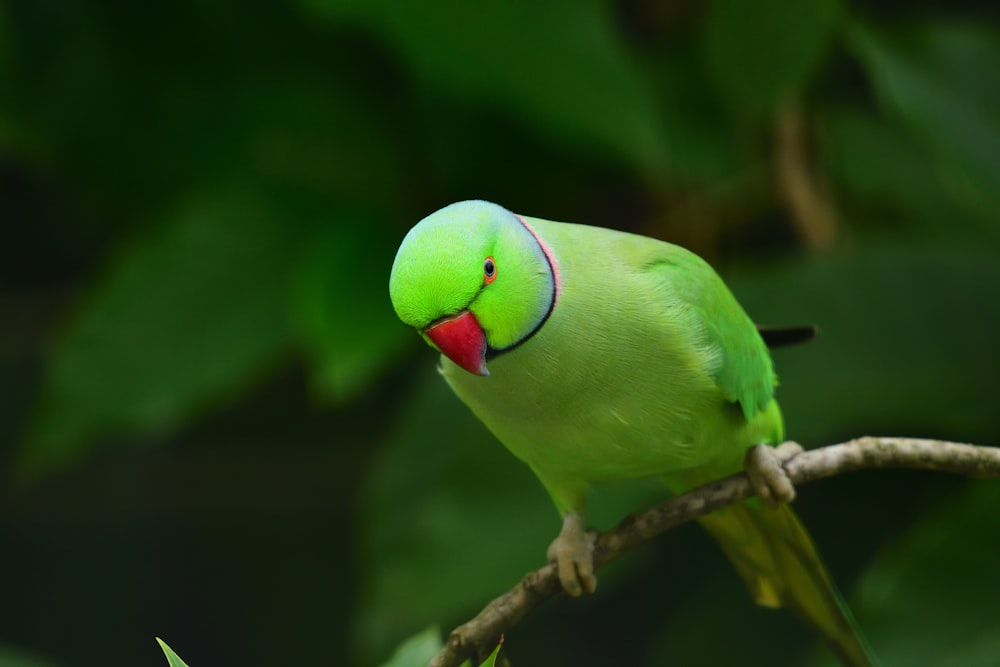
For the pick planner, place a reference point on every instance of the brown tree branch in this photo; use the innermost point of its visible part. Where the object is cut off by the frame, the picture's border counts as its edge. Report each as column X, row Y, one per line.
column 479, row 636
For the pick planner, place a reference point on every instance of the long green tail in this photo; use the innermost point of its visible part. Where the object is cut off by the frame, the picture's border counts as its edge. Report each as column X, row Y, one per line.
column 776, row 558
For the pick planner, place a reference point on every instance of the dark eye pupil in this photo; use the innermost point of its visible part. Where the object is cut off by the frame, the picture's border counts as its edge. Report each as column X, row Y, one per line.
column 489, row 268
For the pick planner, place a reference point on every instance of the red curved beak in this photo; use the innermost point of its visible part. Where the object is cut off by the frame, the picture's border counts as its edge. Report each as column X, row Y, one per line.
column 461, row 339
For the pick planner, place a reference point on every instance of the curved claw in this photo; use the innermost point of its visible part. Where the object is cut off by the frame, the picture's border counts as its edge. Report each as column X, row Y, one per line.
column 573, row 554
column 764, row 466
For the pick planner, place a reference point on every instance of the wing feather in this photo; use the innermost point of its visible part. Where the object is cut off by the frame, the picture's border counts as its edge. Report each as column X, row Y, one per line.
column 744, row 374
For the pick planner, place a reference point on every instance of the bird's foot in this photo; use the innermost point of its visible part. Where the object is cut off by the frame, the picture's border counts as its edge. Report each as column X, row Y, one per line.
column 573, row 554
column 764, row 466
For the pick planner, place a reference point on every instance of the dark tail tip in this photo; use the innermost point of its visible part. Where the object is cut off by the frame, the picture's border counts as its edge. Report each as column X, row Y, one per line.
column 782, row 336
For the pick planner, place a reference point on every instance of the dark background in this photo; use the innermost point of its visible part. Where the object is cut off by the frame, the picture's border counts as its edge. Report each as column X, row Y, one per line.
column 214, row 430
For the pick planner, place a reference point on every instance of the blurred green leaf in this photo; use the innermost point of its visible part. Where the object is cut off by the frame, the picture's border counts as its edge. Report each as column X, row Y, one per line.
column 172, row 658
column 906, row 339
column 265, row 97
column 186, row 316
column 895, row 181
column 558, row 65
column 418, row 650
column 758, row 54
column 11, row 657
column 930, row 599
column 931, row 78
column 341, row 309
column 719, row 624
column 318, row 132
column 491, row 661
column 704, row 145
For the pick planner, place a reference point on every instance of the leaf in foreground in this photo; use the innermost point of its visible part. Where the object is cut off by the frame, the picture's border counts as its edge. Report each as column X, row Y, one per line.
column 172, row 658
column 491, row 661
column 418, row 650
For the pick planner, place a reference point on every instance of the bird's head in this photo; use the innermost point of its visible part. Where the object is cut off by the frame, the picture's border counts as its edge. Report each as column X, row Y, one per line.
column 474, row 280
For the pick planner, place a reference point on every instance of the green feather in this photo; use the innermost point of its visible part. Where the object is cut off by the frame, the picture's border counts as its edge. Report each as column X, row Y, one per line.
column 616, row 357
column 745, row 373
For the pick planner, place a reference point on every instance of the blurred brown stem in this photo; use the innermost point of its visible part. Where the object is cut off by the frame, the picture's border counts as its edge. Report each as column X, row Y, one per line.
column 478, row 636
column 808, row 203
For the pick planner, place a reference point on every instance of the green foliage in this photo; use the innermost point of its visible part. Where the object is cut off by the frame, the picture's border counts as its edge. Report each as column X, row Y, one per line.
column 556, row 65
column 925, row 76
column 172, row 658
column 15, row 658
column 347, row 352
column 201, row 371
column 759, row 56
column 421, row 648
column 491, row 661
column 905, row 587
column 191, row 312
column 418, row 650
column 934, row 303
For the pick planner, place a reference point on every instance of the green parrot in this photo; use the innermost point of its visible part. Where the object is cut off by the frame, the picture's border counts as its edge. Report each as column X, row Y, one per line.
column 597, row 356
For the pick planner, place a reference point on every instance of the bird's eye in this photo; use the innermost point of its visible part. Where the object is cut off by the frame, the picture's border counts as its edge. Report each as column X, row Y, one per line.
column 489, row 270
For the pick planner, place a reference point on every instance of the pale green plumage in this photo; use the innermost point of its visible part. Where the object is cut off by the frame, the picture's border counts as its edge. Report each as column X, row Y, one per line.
column 646, row 366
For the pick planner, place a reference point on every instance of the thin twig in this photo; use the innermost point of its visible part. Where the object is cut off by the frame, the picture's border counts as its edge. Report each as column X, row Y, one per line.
column 479, row 636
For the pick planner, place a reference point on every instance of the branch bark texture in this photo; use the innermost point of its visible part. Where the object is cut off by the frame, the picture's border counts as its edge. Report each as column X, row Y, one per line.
column 479, row 635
